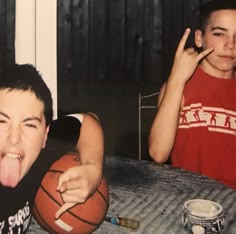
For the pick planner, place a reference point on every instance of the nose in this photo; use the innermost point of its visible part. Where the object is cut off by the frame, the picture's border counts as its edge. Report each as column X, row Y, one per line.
column 231, row 42
column 14, row 135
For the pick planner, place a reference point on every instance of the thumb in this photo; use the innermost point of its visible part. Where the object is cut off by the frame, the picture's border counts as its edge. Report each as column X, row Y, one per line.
column 66, row 206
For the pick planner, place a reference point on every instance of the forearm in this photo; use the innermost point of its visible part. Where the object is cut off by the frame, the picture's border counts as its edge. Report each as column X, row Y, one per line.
column 91, row 147
column 94, row 167
column 164, row 127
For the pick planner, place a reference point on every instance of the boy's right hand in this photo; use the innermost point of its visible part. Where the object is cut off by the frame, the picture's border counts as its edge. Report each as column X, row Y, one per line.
column 186, row 60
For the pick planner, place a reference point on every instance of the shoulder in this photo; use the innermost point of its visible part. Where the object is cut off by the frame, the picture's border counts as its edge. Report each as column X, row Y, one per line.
column 91, row 127
column 90, row 121
column 76, row 118
column 73, row 123
column 84, row 116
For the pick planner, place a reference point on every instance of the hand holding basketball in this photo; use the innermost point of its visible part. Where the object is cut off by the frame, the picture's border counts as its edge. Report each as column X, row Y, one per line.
column 75, row 185
column 81, row 218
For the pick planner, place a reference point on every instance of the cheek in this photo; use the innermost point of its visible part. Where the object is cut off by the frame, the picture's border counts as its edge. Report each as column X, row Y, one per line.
column 210, row 41
column 32, row 151
column 32, row 154
column 35, row 145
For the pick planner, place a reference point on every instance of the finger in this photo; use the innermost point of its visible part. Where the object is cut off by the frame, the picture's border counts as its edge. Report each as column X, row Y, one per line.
column 73, row 198
column 72, row 185
column 183, row 40
column 79, row 193
column 75, row 192
column 61, row 180
column 190, row 50
column 63, row 208
column 64, row 178
column 204, row 53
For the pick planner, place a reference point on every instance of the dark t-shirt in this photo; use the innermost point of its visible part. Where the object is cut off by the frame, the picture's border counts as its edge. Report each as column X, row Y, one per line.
column 16, row 203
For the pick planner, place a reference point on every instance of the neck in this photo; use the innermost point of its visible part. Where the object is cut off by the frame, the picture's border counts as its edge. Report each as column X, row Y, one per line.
column 220, row 73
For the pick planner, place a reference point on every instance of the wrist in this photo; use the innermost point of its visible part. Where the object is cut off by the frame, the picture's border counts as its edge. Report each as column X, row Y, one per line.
column 175, row 84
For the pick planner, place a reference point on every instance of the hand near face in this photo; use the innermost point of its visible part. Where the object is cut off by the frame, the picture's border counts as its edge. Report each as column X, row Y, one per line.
column 76, row 185
column 186, row 60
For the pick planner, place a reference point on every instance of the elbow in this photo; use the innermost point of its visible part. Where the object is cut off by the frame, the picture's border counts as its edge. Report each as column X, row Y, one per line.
column 158, row 155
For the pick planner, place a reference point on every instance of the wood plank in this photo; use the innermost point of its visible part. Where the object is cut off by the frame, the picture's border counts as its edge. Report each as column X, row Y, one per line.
column 3, row 34
column 98, row 41
column 10, row 28
column 134, row 40
column 80, row 10
column 116, row 40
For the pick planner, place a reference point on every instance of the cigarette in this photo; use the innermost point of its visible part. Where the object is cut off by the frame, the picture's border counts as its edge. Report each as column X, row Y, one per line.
column 124, row 222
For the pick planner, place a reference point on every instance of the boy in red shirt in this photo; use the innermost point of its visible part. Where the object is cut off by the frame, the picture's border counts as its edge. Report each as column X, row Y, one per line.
column 196, row 121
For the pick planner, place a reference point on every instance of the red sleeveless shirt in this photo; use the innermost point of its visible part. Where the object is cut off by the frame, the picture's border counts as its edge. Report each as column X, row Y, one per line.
column 206, row 136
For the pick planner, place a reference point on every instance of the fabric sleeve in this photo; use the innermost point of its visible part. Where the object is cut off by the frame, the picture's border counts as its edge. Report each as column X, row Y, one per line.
column 64, row 133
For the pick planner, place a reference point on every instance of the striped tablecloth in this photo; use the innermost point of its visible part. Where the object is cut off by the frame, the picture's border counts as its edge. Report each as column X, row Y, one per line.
column 154, row 194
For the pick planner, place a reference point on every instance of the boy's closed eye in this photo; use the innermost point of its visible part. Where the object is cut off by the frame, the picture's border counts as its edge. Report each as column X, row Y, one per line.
column 218, row 34
column 32, row 122
column 30, row 125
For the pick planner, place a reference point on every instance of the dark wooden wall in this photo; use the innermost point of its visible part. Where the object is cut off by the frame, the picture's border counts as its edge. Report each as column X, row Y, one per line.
column 108, row 52
column 7, row 31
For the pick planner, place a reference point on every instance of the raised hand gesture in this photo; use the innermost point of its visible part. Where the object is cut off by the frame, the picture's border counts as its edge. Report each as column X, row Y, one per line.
column 186, row 60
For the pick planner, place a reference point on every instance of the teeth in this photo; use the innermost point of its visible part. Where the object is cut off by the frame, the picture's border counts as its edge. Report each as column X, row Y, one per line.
column 13, row 156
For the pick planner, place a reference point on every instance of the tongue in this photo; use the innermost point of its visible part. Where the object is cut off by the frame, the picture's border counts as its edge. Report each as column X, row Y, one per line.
column 9, row 171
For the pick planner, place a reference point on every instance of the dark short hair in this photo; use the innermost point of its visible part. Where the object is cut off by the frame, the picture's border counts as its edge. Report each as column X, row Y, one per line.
column 25, row 77
column 211, row 6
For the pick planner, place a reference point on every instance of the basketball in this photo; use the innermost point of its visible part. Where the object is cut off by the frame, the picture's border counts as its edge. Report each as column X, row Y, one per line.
column 82, row 218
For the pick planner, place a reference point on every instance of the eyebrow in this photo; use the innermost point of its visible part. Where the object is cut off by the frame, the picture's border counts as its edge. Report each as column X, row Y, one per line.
column 3, row 114
column 25, row 120
column 33, row 119
column 218, row 28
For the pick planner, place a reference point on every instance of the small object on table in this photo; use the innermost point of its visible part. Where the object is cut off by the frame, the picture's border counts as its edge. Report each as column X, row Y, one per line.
column 202, row 216
column 124, row 222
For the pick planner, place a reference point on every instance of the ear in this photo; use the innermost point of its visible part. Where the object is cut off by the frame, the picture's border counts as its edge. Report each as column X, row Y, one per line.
column 45, row 137
column 198, row 38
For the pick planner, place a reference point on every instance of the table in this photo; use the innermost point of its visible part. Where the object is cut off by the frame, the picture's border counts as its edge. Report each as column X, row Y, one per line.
column 154, row 194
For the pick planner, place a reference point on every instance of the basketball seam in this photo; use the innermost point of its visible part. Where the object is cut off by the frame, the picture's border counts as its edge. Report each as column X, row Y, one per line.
column 106, row 202
column 53, row 170
column 103, row 197
column 42, row 220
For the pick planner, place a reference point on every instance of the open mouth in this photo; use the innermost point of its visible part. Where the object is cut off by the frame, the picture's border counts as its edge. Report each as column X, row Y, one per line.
column 13, row 156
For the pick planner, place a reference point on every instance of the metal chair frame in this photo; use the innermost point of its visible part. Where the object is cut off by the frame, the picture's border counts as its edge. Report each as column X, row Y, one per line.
column 140, row 108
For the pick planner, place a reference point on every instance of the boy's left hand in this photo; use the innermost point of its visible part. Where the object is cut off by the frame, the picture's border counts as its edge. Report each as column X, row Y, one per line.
column 76, row 185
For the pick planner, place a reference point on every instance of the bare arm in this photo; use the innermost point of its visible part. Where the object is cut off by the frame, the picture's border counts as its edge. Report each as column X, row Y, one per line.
column 91, row 145
column 78, row 183
column 164, row 127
